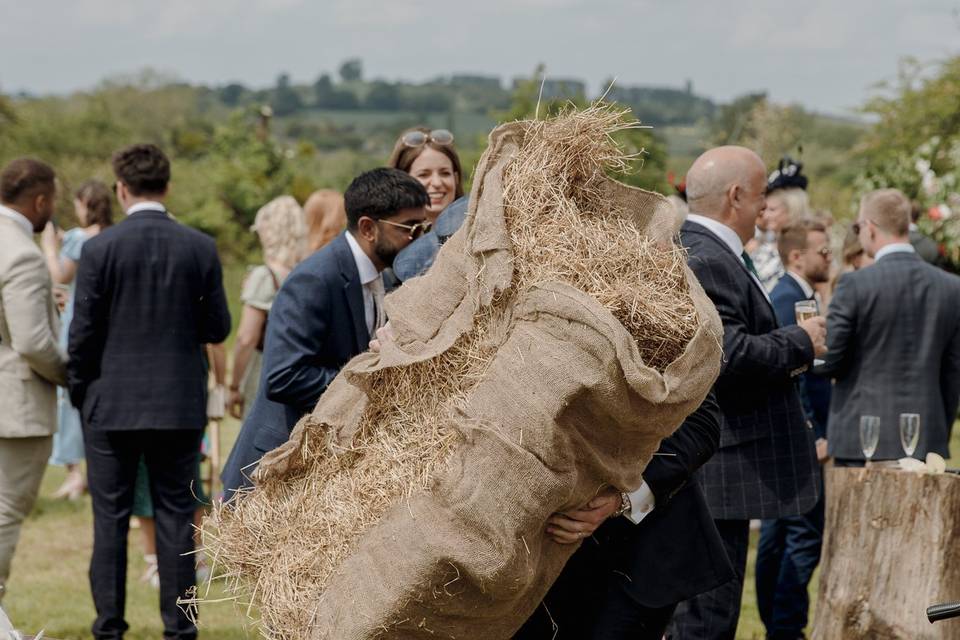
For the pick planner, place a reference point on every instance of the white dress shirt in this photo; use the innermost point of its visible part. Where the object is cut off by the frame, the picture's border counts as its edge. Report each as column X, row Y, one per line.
column 370, row 278
column 147, row 205
column 730, row 238
column 642, row 503
column 897, row 247
column 19, row 218
column 804, row 285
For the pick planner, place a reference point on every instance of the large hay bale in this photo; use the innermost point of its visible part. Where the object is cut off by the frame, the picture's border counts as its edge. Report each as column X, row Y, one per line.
column 557, row 338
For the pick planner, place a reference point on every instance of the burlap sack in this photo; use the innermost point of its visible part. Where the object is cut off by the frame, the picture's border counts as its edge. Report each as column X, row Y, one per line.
column 565, row 407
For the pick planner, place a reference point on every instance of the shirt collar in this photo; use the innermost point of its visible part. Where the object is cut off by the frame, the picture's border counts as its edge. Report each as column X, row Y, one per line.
column 722, row 231
column 897, row 247
column 19, row 218
column 146, row 206
column 368, row 272
column 807, row 289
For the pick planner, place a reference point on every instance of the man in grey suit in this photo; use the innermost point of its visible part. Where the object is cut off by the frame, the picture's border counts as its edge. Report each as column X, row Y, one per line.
column 894, row 339
column 31, row 363
column 766, row 466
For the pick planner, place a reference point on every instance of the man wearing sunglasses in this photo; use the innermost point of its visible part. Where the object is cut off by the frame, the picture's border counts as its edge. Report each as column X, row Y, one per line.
column 789, row 548
column 326, row 312
column 893, row 339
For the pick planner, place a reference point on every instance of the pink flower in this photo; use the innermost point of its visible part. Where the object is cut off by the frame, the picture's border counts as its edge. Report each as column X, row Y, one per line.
column 934, row 213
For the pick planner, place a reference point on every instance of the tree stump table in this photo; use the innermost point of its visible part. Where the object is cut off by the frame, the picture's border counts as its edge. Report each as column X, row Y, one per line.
column 892, row 548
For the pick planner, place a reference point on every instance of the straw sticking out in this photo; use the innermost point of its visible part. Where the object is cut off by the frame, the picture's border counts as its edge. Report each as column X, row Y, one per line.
column 278, row 546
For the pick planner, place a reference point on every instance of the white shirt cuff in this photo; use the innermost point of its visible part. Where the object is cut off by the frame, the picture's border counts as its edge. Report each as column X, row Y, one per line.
column 642, row 503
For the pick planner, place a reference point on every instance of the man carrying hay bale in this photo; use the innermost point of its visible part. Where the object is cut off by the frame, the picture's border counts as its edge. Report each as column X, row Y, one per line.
column 558, row 337
column 626, row 582
column 325, row 313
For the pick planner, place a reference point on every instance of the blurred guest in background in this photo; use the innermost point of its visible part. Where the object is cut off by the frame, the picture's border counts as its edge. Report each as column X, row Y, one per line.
column 282, row 230
column 149, row 298
column 325, row 218
column 786, row 203
column 789, row 548
column 893, row 334
column 923, row 244
column 93, row 206
column 31, row 362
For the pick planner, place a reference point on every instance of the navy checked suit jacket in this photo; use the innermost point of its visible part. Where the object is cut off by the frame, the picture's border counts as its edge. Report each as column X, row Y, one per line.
column 766, row 466
column 893, row 333
column 316, row 326
column 149, row 296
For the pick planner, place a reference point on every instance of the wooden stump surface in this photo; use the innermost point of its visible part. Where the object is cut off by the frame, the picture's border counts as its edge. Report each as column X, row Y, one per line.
column 892, row 548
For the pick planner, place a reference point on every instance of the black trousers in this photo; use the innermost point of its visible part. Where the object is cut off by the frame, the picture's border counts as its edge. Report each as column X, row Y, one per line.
column 714, row 615
column 171, row 457
column 589, row 602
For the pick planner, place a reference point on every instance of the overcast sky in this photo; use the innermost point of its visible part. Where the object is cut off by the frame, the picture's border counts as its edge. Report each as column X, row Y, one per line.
column 825, row 54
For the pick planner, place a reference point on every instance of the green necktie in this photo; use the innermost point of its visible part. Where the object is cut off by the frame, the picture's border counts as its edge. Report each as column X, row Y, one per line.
column 749, row 262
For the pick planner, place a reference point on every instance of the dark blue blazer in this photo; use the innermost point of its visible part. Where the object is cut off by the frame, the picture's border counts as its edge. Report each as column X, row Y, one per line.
column 149, row 296
column 316, row 326
column 814, row 389
column 766, row 466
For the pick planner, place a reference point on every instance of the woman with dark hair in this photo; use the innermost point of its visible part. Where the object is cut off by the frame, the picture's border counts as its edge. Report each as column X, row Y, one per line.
column 430, row 157
column 93, row 205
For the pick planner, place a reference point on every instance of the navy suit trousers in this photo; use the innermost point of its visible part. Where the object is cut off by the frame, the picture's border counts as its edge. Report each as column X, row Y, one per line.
column 787, row 556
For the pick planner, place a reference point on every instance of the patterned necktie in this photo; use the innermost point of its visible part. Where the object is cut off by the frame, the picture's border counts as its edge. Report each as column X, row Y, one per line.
column 749, row 262
column 379, row 315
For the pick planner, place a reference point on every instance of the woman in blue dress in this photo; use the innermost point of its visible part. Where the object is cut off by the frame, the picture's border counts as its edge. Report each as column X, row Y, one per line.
column 93, row 204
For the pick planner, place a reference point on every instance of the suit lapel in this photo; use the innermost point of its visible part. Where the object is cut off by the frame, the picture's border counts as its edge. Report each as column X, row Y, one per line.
column 796, row 287
column 692, row 227
column 353, row 292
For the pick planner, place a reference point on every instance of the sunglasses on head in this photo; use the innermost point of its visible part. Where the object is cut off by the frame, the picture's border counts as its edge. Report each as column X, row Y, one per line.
column 419, row 138
column 414, row 230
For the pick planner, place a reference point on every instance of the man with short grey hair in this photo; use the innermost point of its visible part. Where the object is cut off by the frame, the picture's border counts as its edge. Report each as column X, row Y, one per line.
column 766, row 466
column 894, row 340
column 31, row 362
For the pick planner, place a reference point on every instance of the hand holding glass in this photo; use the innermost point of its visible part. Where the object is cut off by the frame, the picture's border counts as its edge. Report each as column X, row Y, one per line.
column 909, row 432
column 805, row 310
column 869, row 435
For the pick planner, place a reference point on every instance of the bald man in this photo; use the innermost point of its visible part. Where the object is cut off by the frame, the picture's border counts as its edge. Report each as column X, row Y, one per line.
column 766, row 466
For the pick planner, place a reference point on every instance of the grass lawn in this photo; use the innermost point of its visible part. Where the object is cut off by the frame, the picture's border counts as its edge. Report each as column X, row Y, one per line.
column 49, row 588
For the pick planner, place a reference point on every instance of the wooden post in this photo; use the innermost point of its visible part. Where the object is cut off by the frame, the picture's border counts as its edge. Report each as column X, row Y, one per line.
column 892, row 548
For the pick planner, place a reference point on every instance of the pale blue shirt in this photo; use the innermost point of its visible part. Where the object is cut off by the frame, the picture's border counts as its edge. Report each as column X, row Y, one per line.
column 896, row 247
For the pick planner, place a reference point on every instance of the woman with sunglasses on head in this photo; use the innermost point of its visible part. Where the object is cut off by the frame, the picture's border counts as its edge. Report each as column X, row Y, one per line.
column 430, row 157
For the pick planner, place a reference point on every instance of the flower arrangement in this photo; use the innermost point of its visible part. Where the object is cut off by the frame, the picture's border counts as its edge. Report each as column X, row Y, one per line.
column 930, row 176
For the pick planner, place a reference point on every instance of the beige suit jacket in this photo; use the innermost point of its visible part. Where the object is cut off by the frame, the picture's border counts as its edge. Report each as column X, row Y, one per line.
column 31, row 362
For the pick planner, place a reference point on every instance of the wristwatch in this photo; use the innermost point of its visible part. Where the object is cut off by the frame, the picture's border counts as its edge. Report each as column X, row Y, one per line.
column 625, row 505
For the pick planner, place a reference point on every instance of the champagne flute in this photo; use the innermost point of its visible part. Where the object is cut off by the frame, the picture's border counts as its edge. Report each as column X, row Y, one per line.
column 869, row 436
column 909, row 432
column 806, row 309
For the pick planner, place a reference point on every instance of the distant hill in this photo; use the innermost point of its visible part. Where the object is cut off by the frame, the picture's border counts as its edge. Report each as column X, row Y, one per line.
column 663, row 106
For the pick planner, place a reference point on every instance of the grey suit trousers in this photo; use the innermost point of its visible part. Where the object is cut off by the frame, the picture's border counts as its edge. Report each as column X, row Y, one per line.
column 22, row 463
